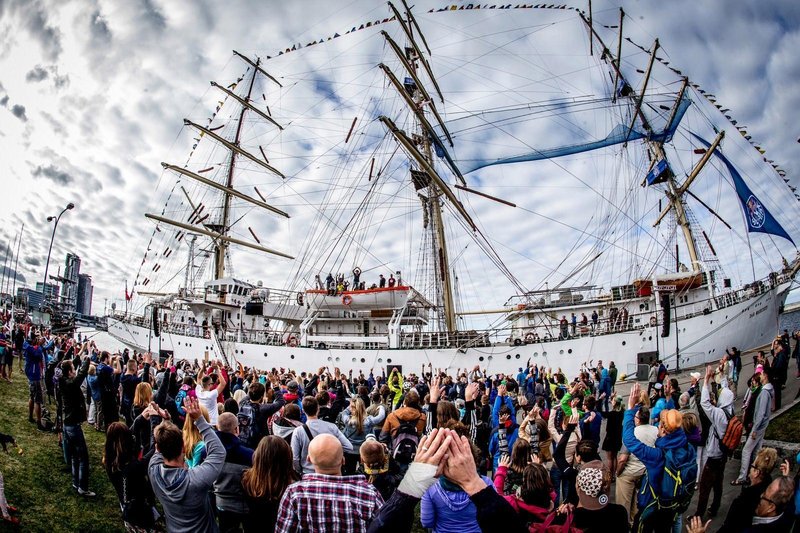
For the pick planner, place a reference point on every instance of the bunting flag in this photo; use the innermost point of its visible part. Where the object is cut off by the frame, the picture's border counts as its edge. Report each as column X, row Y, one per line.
column 759, row 219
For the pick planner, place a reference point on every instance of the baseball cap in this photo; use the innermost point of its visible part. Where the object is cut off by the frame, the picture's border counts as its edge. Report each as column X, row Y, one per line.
column 696, row 375
column 593, row 482
column 292, row 385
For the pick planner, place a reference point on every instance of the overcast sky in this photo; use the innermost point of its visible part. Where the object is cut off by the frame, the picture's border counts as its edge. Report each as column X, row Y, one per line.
column 93, row 94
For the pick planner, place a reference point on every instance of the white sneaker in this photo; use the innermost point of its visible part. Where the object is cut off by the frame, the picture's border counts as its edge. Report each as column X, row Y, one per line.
column 86, row 493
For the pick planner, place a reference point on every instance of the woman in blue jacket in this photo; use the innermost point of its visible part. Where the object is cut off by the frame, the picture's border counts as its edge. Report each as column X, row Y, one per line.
column 655, row 515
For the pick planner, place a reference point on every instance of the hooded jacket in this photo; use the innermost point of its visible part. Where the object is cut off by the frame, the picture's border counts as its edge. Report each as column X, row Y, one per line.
column 653, row 459
column 185, row 493
column 719, row 416
column 763, row 407
column 512, row 432
column 449, row 511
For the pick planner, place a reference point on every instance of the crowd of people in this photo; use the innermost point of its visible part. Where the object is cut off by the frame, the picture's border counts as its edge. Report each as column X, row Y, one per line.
column 204, row 446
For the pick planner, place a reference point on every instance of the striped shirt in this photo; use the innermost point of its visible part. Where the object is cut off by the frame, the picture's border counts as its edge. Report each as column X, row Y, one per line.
column 323, row 503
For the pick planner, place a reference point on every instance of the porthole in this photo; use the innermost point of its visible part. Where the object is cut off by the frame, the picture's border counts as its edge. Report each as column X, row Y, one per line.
column 623, row 343
column 536, row 354
column 491, row 357
column 265, row 354
column 569, row 351
column 650, row 338
column 561, row 352
column 354, row 359
column 291, row 356
column 331, row 359
column 544, row 354
column 517, row 356
column 380, row 360
column 337, row 359
column 389, row 361
column 480, row 358
column 508, row 357
column 363, row 360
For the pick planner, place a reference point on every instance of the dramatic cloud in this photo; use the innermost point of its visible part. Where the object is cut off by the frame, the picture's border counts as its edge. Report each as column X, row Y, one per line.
column 19, row 111
column 52, row 173
column 33, row 261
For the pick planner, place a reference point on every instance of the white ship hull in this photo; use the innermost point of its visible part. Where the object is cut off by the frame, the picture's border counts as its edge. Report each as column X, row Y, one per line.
column 700, row 339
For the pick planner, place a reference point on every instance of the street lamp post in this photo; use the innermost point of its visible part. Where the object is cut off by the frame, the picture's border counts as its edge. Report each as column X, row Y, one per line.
column 52, row 237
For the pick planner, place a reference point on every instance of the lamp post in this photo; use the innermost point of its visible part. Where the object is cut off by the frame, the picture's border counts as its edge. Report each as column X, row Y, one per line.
column 52, row 237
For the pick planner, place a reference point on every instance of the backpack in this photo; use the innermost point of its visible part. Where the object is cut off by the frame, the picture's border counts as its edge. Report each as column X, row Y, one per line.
column 248, row 429
column 678, row 482
column 405, row 441
column 733, row 435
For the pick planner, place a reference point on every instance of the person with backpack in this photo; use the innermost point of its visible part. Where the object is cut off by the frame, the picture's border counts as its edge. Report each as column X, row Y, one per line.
column 254, row 414
column 403, row 429
column 721, row 416
column 670, row 469
column 303, row 435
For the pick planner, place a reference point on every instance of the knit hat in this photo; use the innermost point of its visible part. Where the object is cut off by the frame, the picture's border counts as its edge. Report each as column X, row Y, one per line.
column 759, row 369
column 671, row 419
column 593, row 483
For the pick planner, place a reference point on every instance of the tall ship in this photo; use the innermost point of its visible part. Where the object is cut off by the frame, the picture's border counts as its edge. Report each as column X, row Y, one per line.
column 451, row 188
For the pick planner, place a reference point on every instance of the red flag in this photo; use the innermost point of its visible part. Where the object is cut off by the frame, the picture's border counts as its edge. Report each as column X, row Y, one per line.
column 128, row 297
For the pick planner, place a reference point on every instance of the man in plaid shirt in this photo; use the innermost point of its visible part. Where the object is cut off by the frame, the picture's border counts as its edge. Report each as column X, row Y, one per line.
column 326, row 501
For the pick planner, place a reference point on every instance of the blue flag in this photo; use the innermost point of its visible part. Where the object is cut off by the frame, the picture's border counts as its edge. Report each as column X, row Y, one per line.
column 759, row 220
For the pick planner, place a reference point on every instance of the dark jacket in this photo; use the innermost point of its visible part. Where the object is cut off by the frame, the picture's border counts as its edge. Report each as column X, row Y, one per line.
column 228, row 486
column 72, row 395
column 743, row 508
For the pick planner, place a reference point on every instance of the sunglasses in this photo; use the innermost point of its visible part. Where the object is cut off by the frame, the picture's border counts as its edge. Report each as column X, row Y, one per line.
column 768, row 500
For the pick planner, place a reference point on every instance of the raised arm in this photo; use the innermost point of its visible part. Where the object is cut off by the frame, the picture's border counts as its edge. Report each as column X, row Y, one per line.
column 205, row 473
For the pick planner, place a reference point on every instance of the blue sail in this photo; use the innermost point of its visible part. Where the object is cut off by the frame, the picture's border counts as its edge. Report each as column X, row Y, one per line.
column 759, row 219
column 620, row 134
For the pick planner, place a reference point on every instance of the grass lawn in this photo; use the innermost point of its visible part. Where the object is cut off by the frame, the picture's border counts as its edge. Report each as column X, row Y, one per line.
column 37, row 482
column 786, row 427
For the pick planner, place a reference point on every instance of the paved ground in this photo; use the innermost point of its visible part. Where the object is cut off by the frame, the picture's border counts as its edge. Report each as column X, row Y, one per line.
column 732, row 468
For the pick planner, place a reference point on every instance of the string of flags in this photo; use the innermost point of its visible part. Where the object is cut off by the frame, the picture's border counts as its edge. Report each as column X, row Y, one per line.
column 712, row 99
column 179, row 235
column 451, row 7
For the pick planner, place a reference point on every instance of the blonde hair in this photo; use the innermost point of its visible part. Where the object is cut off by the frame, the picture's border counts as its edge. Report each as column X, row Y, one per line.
column 765, row 460
column 143, row 395
column 239, row 395
column 357, row 414
column 644, row 399
column 191, row 435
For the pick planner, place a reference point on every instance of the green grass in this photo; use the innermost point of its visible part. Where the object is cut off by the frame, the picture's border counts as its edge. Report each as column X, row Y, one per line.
column 37, row 482
column 786, row 427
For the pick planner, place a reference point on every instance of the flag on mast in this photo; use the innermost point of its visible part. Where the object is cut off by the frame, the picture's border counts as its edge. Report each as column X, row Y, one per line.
column 128, row 297
column 759, row 219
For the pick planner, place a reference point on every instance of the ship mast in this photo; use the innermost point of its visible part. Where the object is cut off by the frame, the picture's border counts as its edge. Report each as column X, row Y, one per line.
column 421, row 149
column 660, row 170
column 221, row 245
